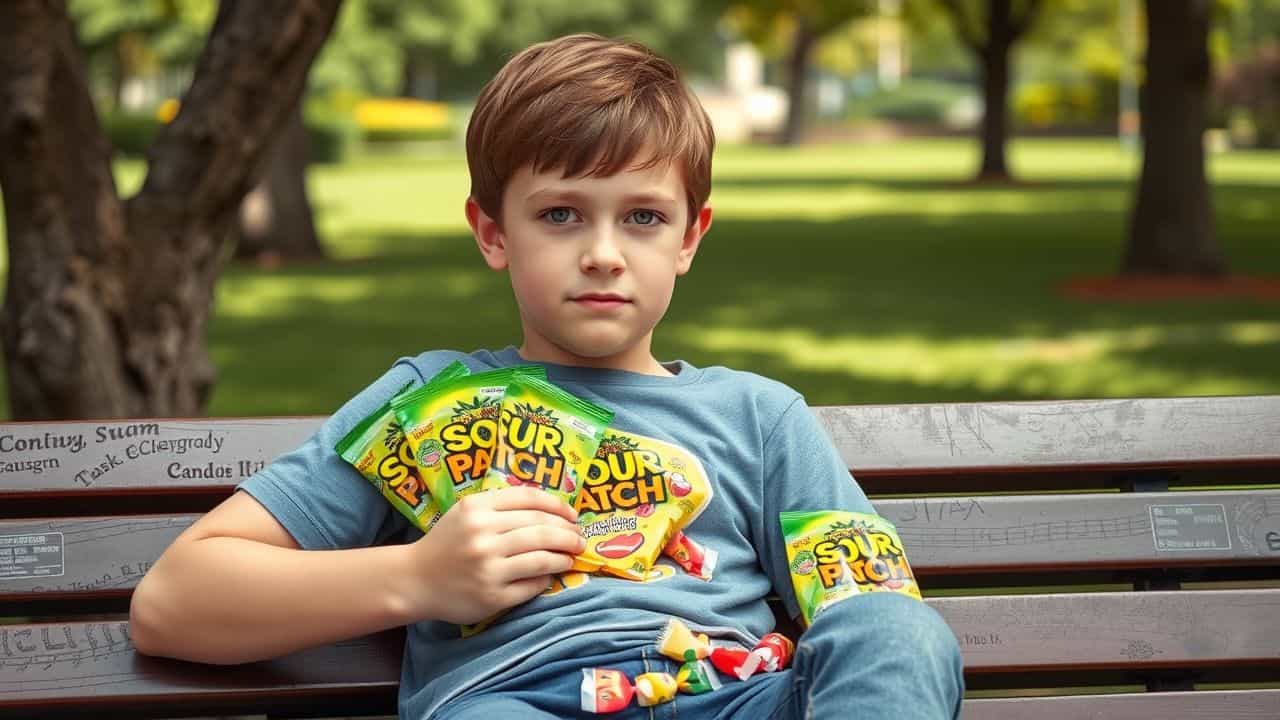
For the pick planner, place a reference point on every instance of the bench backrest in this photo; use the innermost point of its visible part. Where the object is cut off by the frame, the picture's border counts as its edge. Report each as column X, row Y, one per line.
column 1069, row 544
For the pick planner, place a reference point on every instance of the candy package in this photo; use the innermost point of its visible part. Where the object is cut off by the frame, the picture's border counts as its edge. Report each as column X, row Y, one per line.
column 376, row 447
column 546, row 438
column 452, row 426
column 637, row 494
column 835, row 555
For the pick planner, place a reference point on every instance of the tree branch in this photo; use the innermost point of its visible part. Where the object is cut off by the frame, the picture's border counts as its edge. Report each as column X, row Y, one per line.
column 249, row 77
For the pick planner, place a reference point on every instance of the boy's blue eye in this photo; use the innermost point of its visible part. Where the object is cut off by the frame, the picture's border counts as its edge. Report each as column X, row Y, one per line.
column 645, row 217
column 559, row 216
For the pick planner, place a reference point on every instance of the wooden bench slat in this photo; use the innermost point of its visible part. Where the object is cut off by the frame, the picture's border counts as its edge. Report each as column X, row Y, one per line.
column 1111, row 530
column 875, row 441
column 95, row 665
column 1198, row 705
column 44, row 662
column 1013, row 633
column 1158, row 432
column 106, row 556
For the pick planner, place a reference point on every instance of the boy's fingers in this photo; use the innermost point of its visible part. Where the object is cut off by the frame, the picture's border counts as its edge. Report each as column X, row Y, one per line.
column 514, row 519
column 526, row 589
column 540, row 537
column 529, row 498
column 536, row 564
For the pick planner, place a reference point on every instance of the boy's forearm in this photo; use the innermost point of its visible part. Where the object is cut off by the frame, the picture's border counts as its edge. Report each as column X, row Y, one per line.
column 230, row 600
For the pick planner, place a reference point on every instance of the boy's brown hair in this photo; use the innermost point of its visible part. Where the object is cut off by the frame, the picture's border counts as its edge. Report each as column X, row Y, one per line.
column 589, row 105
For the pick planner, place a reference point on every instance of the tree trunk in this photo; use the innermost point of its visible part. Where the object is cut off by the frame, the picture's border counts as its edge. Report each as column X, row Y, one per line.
column 107, row 301
column 797, row 82
column 994, row 60
column 275, row 217
column 1172, row 229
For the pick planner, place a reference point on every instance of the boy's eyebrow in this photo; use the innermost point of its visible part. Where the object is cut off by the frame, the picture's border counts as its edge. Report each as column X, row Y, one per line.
column 573, row 196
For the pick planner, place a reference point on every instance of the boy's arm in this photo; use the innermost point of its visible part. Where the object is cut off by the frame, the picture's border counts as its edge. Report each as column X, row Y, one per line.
column 802, row 471
column 235, row 587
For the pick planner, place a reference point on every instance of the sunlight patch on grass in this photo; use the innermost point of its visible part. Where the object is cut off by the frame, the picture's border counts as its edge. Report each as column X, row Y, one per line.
column 1088, row 363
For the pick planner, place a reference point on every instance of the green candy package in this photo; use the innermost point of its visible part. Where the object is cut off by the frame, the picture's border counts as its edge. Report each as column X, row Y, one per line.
column 377, row 449
column 546, row 438
column 835, row 555
column 452, row 426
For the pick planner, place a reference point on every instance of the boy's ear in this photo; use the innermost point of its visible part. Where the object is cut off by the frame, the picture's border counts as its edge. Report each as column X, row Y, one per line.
column 488, row 234
column 693, row 238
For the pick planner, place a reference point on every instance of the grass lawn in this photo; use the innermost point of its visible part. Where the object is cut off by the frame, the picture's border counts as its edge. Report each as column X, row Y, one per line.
column 856, row 274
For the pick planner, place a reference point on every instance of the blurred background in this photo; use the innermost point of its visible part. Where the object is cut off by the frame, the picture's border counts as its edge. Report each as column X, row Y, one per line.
column 916, row 200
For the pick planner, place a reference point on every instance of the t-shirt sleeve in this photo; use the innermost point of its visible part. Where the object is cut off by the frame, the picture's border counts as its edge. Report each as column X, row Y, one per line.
column 802, row 471
column 320, row 499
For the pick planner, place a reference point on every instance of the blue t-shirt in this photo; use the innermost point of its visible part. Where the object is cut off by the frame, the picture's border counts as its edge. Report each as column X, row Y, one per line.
column 752, row 440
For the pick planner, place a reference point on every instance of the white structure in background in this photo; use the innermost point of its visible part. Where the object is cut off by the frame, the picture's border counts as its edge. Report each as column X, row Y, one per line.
column 745, row 105
column 889, row 44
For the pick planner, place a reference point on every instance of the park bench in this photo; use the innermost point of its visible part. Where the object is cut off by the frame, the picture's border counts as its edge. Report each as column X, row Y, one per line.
column 1122, row 554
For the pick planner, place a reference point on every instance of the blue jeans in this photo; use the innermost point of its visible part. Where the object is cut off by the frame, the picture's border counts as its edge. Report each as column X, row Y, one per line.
column 880, row 655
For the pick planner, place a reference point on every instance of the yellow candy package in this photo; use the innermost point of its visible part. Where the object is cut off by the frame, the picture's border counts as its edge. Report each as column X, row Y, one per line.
column 546, row 438
column 637, row 494
column 376, row 448
column 835, row 555
column 452, row 426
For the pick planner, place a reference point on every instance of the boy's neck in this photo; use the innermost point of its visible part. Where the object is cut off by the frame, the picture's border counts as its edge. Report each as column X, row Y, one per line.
column 638, row 359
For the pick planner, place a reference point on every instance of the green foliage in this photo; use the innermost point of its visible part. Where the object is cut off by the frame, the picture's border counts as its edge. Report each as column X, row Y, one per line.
column 380, row 46
column 130, row 133
column 915, row 100
column 332, row 140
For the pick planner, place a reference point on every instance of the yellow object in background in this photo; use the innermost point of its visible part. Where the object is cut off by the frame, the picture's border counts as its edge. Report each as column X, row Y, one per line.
column 168, row 110
column 401, row 114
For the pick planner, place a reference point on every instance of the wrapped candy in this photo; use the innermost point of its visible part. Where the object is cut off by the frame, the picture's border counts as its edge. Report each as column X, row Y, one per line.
column 655, row 688
column 696, row 677
column 679, row 643
column 771, row 654
column 732, row 661
column 605, row 690
column 696, row 560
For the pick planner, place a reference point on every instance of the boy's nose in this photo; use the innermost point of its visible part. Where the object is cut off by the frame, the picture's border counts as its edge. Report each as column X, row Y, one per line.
column 603, row 254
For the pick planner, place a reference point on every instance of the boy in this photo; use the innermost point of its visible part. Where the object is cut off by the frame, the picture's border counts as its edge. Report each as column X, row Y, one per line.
column 590, row 166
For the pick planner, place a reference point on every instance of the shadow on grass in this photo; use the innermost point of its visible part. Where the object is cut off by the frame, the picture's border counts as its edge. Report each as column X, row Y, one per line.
column 930, row 291
column 874, row 308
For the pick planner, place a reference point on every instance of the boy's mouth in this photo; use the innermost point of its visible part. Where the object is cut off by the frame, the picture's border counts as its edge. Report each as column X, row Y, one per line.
column 600, row 301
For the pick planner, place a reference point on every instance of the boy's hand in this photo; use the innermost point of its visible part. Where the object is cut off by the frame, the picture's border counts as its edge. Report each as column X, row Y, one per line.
column 491, row 551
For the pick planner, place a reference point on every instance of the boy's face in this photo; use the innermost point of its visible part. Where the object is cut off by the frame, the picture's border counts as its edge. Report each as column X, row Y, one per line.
column 593, row 260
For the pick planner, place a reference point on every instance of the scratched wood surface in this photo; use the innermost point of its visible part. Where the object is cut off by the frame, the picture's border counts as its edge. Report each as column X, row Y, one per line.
column 1056, row 434
column 95, row 665
column 106, row 556
column 1219, row 705
column 96, row 661
column 874, row 440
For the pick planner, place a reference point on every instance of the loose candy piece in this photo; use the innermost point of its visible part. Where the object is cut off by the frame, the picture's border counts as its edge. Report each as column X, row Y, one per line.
column 696, row 560
column 771, row 654
column 731, row 661
column 679, row 643
column 654, row 688
column 605, row 690
column 696, row 677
